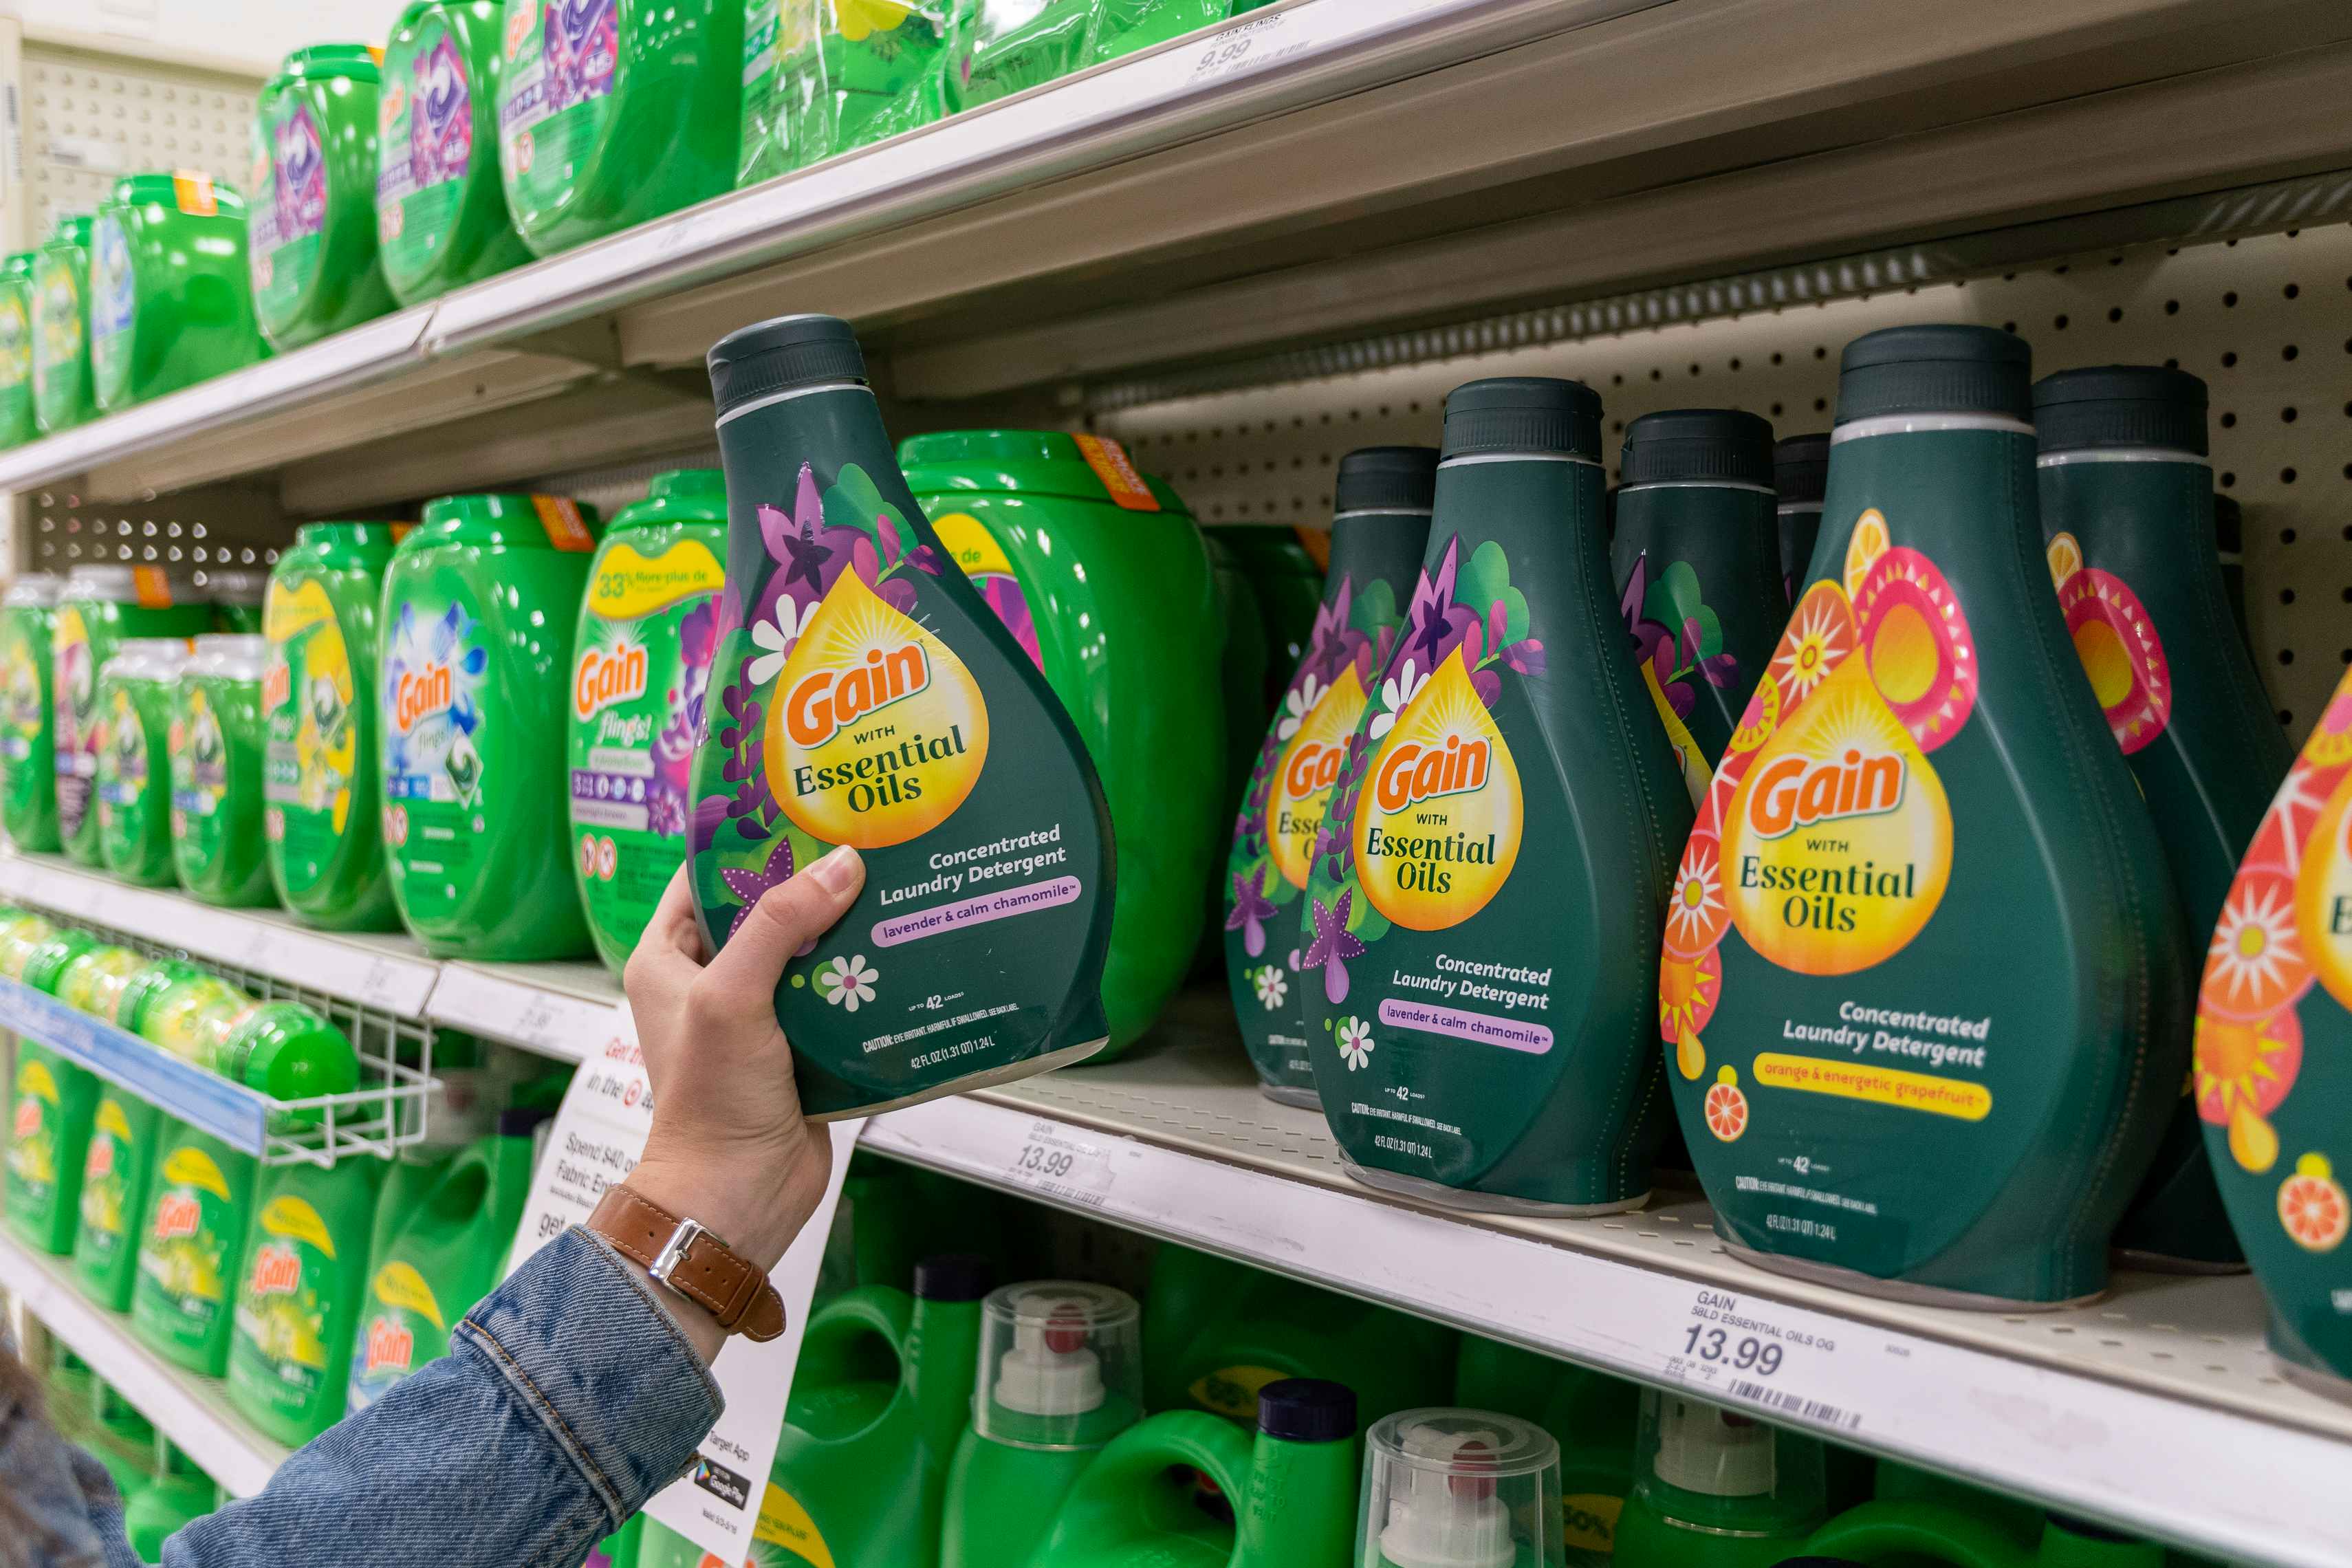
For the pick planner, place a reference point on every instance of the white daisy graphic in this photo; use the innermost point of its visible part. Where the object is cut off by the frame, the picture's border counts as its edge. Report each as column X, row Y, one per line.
column 1355, row 1042
column 1298, row 705
column 847, row 982
column 777, row 638
column 1396, row 692
column 1271, row 987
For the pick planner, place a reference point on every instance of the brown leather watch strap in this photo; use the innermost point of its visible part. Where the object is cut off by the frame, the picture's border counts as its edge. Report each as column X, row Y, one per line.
column 692, row 1262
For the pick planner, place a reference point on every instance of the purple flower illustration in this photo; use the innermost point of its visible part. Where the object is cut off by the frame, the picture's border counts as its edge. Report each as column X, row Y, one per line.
column 1332, row 946
column 1250, row 913
column 750, row 886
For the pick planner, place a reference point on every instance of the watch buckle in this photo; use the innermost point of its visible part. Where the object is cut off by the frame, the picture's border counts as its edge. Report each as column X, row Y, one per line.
column 674, row 1250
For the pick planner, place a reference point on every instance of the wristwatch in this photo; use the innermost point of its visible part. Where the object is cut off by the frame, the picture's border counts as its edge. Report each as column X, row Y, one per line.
column 691, row 1261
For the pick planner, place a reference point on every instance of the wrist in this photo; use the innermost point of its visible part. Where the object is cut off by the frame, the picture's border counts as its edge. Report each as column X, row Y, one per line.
column 754, row 1201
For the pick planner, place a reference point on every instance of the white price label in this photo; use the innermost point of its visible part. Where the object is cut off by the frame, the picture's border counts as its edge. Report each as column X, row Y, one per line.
column 1247, row 46
column 379, row 983
column 1734, row 1348
column 535, row 1022
column 1057, row 1162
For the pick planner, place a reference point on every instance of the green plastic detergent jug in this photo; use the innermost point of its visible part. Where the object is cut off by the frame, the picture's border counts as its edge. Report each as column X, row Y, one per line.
column 1924, row 793
column 17, row 425
column 1287, row 584
column 322, row 824
column 821, row 76
column 93, row 980
column 478, row 607
column 443, row 1258
column 1100, row 574
column 2229, row 544
column 879, row 1400
column 640, row 665
column 191, row 1015
column 1716, row 1489
column 999, row 47
column 1292, row 1485
column 48, row 1145
column 1801, row 471
column 2273, row 1083
column 1459, row 1488
column 615, row 112
column 98, row 609
column 461, row 1110
column 52, row 949
column 169, row 303
column 288, row 1051
column 1242, row 671
column 119, row 1437
column 1908, row 1534
column 137, row 690
column 441, row 208
column 180, row 1495
column 1379, row 531
column 215, row 747
column 199, row 1203
column 1893, row 1482
column 62, row 394
column 1060, row 1373
column 28, row 769
column 1478, row 1038
column 116, row 1174
column 893, row 1215
column 298, row 1302
column 1594, row 1418
column 1697, row 561
column 72, row 1388
column 622, row 1548
column 2125, row 491
column 1216, row 1332
column 237, row 597
column 869, row 697
column 313, row 244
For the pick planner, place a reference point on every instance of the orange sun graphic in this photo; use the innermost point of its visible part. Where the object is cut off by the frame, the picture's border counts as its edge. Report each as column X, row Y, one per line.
column 2243, row 1071
column 1817, row 641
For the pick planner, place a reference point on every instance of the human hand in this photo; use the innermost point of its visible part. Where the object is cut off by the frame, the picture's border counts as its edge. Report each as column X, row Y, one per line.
column 729, row 1145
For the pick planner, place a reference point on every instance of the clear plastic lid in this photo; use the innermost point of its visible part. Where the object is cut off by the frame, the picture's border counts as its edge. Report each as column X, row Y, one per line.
column 1060, row 1365
column 236, row 655
column 39, row 589
column 148, row 659
column 1718, row 1469
column 1460, row 1489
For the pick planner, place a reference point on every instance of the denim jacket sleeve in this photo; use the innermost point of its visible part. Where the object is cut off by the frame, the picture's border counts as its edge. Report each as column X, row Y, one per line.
column 568, row 1397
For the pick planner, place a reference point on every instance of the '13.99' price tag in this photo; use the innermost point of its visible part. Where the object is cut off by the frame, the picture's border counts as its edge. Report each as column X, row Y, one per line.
column 1739, row 1351
column 1056, row 1162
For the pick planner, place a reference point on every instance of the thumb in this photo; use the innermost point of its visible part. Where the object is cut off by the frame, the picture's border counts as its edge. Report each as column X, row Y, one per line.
column 787, row 918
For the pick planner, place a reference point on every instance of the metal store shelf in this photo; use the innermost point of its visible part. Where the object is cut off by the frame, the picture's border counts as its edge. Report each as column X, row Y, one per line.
column 565, row 1010
column 192, row 1411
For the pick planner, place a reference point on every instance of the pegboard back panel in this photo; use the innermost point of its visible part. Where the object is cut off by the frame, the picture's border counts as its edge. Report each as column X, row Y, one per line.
column 91, row 117
column 187, row 533
column 2266, row 321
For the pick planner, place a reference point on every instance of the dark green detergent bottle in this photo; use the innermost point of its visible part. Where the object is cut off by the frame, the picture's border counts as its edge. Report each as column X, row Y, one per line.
column 2229, row 544
column 63, row 393
column 1459, row 1488
column 1919, row 977
column 116, row 1177
column 881, row 1400
column 28, row 774
column 1379, row 531
column 648, row 631
column 2125, row 489
column 313, row 235
column 1060, row 1373
column 1287, row 585
column 1697, row 560
column 1594, row 1418
column 440, row 206
column 1481, row 918
column 1242, row 669
column 869, row 696
column 1715, row 1488
column 17, row 425
column 136, row 693
column 1801, row 472
column 322, row 824
column 1100, row 572
column 199, row 1203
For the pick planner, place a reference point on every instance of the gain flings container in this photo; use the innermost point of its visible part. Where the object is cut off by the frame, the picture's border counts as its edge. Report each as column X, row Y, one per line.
column 17, row 425
column 321, row 823
column 1379, row 532
column 1101, row 575
column 868, row 696
column 821, row 77
column 1922, row 947
column 169, row 301
column 441, row 208
column 99, row 607
column 1479, row 931
column 615, row 112
column 62, row 398
column 313, row 242
column 640, row 667
column 28, row 787
column 479, row 608
column 137, row 691
column 215, row 739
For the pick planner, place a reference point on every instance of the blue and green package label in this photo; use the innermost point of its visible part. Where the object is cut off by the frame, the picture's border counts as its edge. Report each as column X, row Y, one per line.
column 199, row 763
column 113, row 304
column 562, row 57
column 59, row 346
column 186, row 1257
column 433, row 713
column 425, row 129
column 16, row 359
column 308, row 712
column 289, row 210
column 401, row 1328
column 125, row 770
column 283, row 1307
column 34, row 1136
column 108, row 1204
column 638, row 684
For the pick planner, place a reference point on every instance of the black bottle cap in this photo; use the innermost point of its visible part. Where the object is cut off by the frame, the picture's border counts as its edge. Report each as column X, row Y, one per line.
column 2229, row 524
column 1800, row 469
column 1936, row 370
column 1524, row 413
column 954, row 1277
column 2120, row 405
column 1306, row 1410
column 1387, row 478
column 1696, row 445
column 779, row 355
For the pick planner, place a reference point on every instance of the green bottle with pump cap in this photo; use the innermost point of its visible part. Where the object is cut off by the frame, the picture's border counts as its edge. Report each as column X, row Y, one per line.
column 1697, row 561
column 313, row 240
column 1380, row 529
column 217, row 794
column 1459, row 1488
column 1479, row 940
column 170, row 302
column 17, row 425
column 1923, row 933
column 1714, row 1489
column 62, row 393
column 28, row 774
column 1801, row 471
column 2125, row 491
column 136, row 692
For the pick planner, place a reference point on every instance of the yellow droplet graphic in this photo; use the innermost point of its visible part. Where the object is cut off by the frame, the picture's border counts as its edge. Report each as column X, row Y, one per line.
column 876, row 730
column 1439, row 818
column 1304, row 777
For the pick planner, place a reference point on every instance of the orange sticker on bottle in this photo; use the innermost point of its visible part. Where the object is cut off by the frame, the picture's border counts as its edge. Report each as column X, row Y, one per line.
column 191, row 189
column 566, row 530
column 1118, row 472
column 152, row 588
column 1317, row 542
